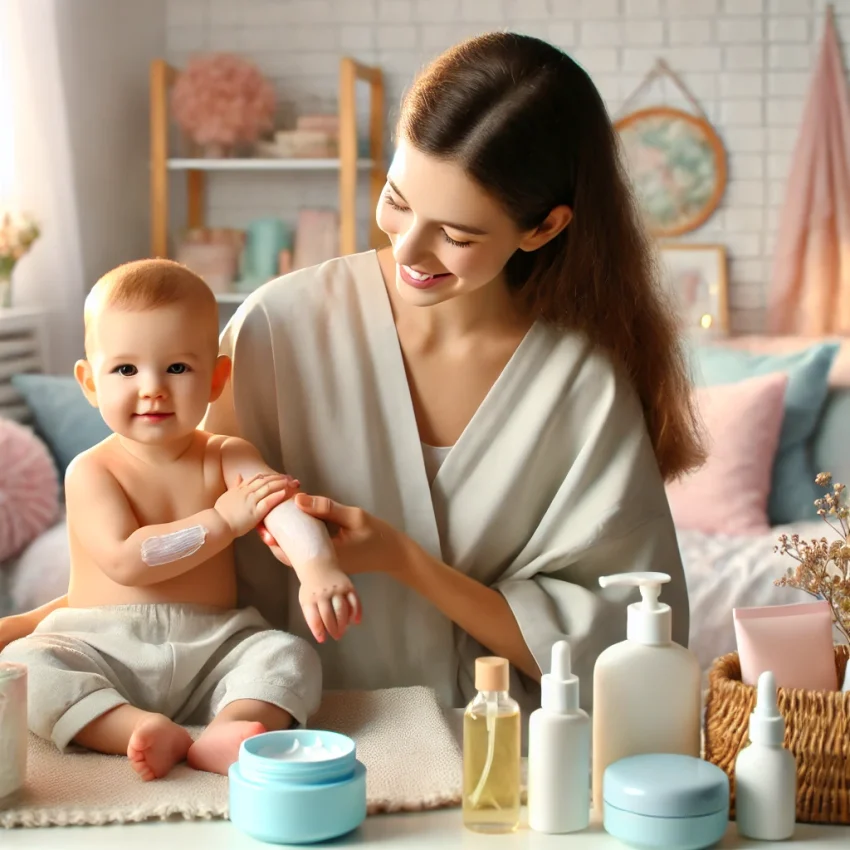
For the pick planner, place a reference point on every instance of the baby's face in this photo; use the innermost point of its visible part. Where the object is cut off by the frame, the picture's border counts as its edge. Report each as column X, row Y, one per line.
column 153, row 371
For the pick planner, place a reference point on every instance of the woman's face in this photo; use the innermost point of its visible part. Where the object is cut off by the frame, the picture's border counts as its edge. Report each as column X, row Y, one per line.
column 449, row 236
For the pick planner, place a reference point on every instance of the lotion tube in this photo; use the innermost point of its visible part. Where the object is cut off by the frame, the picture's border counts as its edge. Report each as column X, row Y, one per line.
column 794, row 642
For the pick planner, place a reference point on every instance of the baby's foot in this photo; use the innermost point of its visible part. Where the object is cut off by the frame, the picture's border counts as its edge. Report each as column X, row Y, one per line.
column 218, row 746
column 156, row 745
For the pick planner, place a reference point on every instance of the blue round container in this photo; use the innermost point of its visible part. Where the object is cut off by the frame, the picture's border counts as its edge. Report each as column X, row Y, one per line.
column 665, row 802
column 282, row 801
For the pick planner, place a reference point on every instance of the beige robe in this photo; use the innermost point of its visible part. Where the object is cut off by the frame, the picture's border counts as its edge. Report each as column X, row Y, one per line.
column 552, row 484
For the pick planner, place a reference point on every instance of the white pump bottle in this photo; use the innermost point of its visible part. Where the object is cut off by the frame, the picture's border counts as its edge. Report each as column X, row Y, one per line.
column 559, row 752
column 646, row 689
column 765, row 773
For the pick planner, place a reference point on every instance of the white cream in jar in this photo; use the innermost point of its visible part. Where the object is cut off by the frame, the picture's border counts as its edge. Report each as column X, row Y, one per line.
column 296, row 751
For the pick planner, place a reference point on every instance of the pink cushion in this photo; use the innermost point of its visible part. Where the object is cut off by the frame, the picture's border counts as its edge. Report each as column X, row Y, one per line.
column 728, row 495
column 29, row 488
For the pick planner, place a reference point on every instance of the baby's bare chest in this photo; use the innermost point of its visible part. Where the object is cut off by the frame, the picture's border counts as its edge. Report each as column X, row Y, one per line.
column 171, row 493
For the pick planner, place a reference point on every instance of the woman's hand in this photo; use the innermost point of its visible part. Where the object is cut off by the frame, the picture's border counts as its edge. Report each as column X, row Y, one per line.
column 363, row 543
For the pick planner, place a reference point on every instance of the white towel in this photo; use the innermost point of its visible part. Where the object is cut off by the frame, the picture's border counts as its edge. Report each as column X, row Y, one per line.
column 412, row 758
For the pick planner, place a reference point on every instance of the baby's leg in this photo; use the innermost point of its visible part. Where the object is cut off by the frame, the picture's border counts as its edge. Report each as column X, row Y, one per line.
column 262, row 679
column 153, row 743
column 218, row 746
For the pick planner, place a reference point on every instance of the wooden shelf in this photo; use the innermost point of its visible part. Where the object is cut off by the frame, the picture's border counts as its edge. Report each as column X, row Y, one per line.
column 348, row 165
column 259, row 164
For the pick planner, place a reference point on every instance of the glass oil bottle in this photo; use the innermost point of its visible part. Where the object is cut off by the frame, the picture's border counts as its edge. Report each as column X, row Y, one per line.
column 491, row 752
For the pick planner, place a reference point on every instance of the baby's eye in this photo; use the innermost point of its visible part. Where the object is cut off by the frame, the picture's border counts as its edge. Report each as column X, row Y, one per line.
column 126, row 370
column 177, row 369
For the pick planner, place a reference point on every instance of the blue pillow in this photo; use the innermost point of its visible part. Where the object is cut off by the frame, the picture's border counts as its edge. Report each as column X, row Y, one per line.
column 830, row 446
column 793, row 490
column 63, row 418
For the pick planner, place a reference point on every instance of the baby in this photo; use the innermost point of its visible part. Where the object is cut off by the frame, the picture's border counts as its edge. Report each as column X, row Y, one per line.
column 151, row 637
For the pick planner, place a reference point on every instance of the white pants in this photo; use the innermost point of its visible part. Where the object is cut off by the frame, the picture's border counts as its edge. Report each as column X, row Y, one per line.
column 184, row 661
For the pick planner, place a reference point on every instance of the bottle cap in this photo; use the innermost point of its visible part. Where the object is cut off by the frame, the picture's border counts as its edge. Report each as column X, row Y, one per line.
column 649, row 621
column 559, row 687
column 767, row 726
column 492, row 674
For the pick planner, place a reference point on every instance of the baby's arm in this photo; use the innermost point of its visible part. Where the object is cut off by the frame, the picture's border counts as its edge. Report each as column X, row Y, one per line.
column 101, row 519
column 18, row 626
column 327, row 595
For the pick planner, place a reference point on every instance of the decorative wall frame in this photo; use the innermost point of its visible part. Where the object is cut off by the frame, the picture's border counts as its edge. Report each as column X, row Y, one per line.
column 695, row 277
column 678, row 167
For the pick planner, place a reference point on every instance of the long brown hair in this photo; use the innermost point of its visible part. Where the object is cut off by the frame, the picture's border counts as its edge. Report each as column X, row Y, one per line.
column 527, row 124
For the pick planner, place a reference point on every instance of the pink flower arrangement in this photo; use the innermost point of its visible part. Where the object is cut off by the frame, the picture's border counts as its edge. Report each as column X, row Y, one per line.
column 221, row 100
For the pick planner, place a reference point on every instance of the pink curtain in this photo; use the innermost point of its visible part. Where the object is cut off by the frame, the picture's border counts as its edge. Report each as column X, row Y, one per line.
column 810, row 287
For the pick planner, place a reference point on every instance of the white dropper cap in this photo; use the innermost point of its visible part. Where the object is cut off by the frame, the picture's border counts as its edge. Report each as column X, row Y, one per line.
column 767, row 726
column 559, row 687
column 649, row 621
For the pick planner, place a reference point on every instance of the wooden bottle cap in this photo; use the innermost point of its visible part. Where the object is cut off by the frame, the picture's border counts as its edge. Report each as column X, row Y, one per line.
column 492, row 674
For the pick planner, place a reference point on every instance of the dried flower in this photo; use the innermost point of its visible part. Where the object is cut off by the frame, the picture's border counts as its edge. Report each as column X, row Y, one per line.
column 222, row 99
column 17, row 233
column 823, row 567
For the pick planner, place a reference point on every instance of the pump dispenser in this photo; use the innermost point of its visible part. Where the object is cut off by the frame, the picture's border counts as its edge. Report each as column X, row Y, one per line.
column 559, row 752
column 646, row 689
column 765, row 773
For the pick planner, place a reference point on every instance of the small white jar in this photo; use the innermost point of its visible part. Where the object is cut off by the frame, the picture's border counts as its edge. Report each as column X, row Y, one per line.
column 13, row 730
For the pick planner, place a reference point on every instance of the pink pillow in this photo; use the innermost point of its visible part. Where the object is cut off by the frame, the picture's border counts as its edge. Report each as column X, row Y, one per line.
column 728, row 495
column 29, row 488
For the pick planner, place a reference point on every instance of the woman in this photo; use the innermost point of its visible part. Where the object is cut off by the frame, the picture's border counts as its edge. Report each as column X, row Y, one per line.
column 488, row 409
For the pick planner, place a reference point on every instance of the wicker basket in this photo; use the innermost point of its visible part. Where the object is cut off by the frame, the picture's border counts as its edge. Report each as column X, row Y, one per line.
column 817, row 732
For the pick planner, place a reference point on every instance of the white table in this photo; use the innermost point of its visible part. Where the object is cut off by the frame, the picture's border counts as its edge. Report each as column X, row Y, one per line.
column 420, row 831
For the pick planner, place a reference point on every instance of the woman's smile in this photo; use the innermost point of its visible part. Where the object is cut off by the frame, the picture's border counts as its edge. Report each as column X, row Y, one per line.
column 420, row 280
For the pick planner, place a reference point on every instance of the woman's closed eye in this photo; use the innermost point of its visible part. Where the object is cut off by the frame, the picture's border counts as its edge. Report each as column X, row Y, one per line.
column 391, row 202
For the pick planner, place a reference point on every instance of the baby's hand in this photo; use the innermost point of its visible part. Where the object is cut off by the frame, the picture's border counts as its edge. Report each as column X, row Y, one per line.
column 329, row 601
column 245, row 505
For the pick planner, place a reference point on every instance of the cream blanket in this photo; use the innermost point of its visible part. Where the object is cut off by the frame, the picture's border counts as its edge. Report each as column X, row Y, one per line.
column 412, row 759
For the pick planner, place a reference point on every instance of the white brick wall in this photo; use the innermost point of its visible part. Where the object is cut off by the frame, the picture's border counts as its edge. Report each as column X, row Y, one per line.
column 747, row 61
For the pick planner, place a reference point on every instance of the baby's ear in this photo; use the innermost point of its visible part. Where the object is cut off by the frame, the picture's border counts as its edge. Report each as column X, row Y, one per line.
column 85, row 378
column 221, row 373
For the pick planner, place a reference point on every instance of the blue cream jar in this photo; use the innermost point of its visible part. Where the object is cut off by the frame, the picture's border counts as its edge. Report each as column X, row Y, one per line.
column 665, row 802
column 297, row 786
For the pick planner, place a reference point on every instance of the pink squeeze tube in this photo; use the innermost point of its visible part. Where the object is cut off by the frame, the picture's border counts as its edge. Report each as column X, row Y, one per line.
column 794, row 642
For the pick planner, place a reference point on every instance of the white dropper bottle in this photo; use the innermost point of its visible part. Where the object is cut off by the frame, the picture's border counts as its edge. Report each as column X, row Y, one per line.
column 766, row 773
column 559, row 752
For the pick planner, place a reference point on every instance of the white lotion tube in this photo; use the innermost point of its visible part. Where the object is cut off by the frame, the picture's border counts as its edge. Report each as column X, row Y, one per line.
column 559, row 752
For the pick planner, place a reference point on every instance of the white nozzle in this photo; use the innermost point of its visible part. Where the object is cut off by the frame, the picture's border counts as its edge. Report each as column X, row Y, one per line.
column 649, row 584
column 559, row 687
column 649, row 622
column 561, row 661
column 767, row 726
